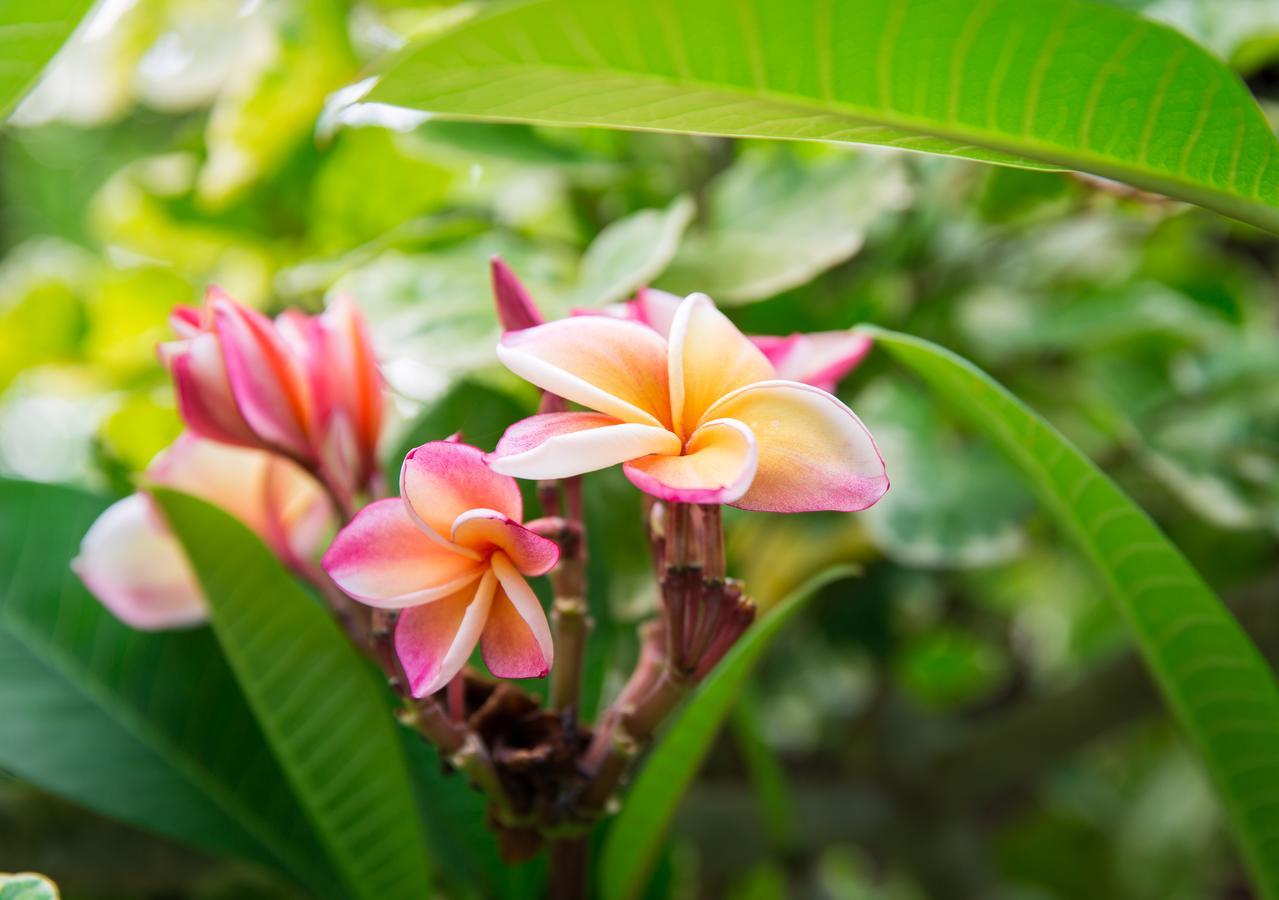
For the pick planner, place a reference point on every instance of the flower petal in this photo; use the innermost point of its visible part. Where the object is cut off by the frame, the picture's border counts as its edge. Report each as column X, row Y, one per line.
column 563, row 444
column 718, row 466
column 820, row 359
column 515, row 307
column 187, row 321
column 266, row 376
column 203, row 388
column 609, row 365
column 283, row 505
column 517, row 639
column 434, row 641
column 651, row 307
column 299, row 514
column 443, row 479
column 656, row 309
column 132, row 563
column 233, row 478
column 484, row 530
column 382, row 558
column 814, row 453
column 709, row 358
column 351, row 384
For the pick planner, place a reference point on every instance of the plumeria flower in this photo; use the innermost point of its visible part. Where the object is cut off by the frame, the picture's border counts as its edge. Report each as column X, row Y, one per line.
column 131, row 561
column 304, row 386
column 821, row 359
column 452, row 554
column 698, row 416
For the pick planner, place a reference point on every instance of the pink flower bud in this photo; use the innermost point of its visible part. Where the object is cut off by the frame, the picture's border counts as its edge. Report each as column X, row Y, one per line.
column 205, row 398
column 306, row 387
column 516, row 309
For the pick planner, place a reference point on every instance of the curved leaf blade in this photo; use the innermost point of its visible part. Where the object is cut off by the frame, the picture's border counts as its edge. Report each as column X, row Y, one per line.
column 1057, row 83
column 629, row 253
column 31, row 31
column 635, row 839
column 318, row 703
column 1213, row 678
column 147, row 728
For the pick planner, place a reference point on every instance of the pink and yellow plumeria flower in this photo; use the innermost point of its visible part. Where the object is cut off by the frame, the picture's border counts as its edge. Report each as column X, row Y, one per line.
column 819, row 358
column 304, row 386
column 450, row 552
column 699, row 416
column 132, row 563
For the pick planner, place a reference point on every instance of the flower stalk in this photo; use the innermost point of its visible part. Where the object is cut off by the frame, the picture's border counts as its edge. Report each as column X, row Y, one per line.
column 569, row 618
column 703, row 616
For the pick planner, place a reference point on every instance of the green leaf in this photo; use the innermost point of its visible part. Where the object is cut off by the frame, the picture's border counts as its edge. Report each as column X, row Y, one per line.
column 321, row 709
column 775, row 222
column 147, row 728
column 953, row 504
column 1245, row 33
column 1211, row 675
column 425, row 346
column 947, row 667
column 630, row 253
column 1062, row 83
column 635, row 839
column 477, row 410
column 31, row 31
column 27, row 886
column 279, row 93
column 767, row 776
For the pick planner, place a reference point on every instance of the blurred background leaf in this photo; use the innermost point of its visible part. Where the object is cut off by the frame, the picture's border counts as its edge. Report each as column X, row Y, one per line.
column 30, row 34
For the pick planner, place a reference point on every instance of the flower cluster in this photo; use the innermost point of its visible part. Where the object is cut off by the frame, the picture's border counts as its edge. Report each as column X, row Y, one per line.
column 284, row 418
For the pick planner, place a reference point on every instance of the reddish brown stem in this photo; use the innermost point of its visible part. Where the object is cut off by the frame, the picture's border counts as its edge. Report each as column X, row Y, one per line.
column 681, row 542
column 570, row 866
column 712, row 530
column 568, row 584
column 457, row 698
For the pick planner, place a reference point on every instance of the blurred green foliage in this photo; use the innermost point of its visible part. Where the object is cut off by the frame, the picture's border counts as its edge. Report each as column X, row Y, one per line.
column 191, row 143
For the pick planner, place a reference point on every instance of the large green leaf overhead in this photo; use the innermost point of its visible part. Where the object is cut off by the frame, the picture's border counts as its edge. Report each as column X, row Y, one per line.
column 1214, row 680
column 1059, row 83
